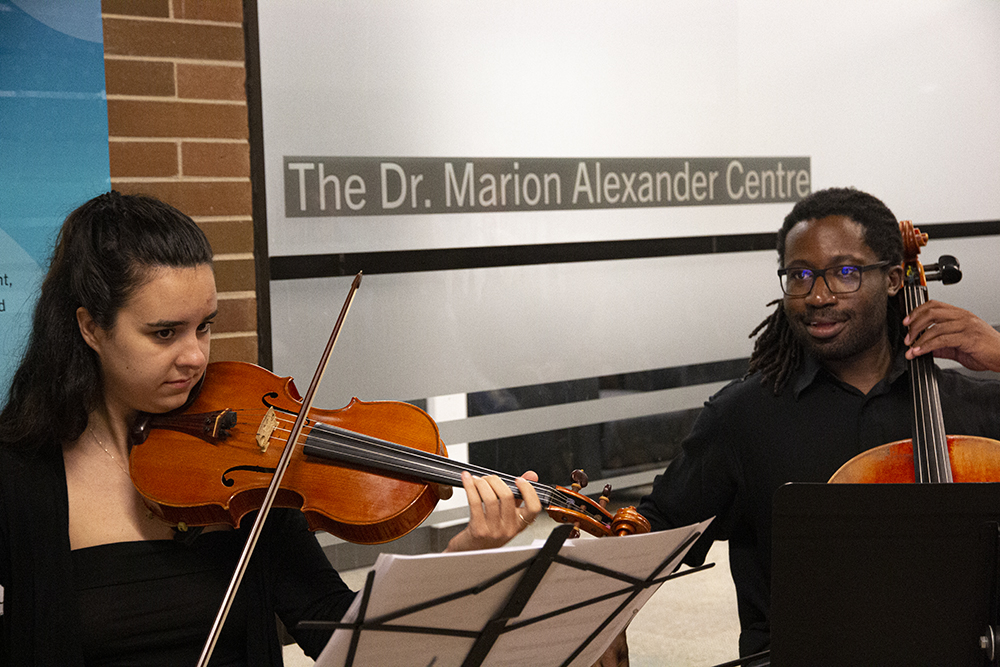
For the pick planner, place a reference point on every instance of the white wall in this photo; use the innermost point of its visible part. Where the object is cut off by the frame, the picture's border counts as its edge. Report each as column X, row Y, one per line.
column 898, row 98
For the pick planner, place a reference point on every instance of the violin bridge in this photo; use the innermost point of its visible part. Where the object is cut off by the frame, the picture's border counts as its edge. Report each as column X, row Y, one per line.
column 266, row 428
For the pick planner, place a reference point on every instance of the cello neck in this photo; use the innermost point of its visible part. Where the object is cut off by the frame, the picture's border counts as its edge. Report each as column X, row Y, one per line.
column 931, row 461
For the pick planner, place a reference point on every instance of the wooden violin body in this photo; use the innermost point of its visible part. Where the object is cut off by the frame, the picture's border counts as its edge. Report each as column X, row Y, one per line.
column 368, row 473
column 203, row 478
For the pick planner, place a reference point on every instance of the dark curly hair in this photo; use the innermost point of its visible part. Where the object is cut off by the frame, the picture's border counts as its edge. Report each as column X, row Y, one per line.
column 103, row 254
column 777, row 353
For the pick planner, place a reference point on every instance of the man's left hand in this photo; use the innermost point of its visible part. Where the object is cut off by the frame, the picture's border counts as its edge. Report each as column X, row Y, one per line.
column 952, row 333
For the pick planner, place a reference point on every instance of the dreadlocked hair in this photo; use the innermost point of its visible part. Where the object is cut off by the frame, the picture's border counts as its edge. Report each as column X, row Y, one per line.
column 776, row 352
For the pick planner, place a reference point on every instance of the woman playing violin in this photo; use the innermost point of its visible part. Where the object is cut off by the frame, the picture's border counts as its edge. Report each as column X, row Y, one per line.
column 89, row 576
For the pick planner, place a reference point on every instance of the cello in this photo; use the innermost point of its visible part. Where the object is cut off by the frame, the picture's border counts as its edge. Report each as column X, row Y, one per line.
column 931, row 455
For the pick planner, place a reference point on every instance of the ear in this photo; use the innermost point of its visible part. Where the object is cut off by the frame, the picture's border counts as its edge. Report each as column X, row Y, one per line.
column 895, row 275
column 89, row 329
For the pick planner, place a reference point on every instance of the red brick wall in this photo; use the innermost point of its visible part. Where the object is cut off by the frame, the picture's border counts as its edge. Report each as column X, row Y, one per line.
column 177, row 125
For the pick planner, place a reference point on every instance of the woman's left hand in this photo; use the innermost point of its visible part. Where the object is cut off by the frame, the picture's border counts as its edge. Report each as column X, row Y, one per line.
column 495, row 515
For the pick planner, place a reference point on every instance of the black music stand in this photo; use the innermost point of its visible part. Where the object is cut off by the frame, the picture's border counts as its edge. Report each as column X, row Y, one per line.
column 575, row 615
column 883, row 574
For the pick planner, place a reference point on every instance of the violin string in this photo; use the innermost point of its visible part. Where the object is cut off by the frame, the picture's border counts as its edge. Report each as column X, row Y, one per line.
column 397, row 457
column 418, row 462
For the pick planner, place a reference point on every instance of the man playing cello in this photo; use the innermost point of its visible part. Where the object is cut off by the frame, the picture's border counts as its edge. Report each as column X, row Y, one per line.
column 827, row 379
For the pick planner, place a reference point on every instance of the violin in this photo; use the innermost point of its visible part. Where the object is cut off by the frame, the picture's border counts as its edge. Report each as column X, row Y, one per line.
column 367, row 473
column 930, row 456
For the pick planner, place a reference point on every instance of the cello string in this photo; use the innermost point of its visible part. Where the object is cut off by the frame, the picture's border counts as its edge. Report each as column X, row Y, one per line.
column 921, row 434
column 932, row 395
column 921, row 463
column 920, row 426
column 930, row 441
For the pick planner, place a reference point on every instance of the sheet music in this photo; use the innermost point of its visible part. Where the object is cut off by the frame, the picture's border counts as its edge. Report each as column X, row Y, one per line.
column 403, row 582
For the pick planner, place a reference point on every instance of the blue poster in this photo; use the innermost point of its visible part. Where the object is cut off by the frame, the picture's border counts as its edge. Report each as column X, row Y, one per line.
column 53, row 145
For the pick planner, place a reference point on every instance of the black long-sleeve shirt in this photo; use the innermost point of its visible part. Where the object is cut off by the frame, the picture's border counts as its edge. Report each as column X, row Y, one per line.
column 746, row 443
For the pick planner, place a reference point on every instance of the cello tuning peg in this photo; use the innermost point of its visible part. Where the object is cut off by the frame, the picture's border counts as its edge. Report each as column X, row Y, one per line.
column 950, row 271
column 946, row 270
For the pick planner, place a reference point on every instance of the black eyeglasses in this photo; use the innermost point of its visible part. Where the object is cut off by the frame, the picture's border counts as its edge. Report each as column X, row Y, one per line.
column 839, row 279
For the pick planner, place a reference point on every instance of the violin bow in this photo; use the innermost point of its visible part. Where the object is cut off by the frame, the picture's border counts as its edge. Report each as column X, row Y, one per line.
column 272, row 489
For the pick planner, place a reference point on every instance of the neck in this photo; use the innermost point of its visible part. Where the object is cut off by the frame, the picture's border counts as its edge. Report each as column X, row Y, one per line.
column 110, row 431
column 864, row 370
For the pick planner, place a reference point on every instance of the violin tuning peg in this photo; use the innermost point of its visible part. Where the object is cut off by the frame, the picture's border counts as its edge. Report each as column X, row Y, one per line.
column 605, row 497
column 579, row 479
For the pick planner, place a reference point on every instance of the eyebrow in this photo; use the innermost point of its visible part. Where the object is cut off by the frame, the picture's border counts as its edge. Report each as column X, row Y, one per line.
column 839, row 260
column 169, row 324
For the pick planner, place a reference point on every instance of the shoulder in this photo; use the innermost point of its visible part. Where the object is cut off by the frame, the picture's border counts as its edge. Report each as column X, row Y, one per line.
column 21, row 466
column 729, row 412
column 33, row 501
column 32, row 487
column 744, row 393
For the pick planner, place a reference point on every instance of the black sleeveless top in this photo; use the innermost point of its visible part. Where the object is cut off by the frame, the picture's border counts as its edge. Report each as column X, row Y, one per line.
column 47, row 611
column 153, row 603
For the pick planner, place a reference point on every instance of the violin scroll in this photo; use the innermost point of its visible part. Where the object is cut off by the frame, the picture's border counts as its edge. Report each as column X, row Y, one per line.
column 594, row 517
column 628, row 521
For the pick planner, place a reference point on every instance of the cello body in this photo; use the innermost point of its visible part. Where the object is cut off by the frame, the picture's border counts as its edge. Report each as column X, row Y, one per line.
column 973, row 459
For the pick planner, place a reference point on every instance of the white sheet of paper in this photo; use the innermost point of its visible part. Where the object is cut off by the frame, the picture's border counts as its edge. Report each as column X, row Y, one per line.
column 402, row 582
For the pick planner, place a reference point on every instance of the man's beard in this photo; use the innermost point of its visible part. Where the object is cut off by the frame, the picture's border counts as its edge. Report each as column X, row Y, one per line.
column 865, row 329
